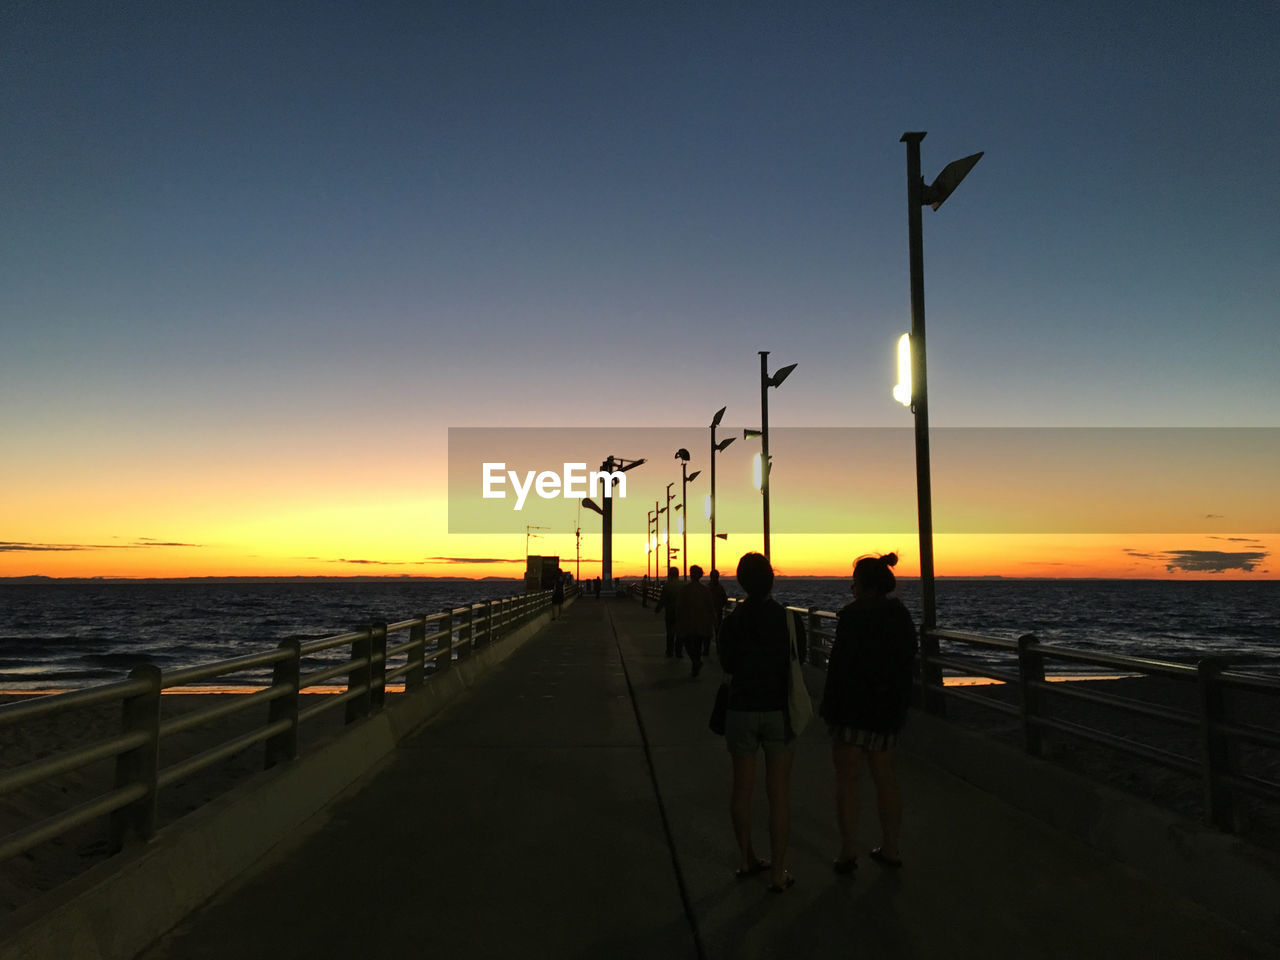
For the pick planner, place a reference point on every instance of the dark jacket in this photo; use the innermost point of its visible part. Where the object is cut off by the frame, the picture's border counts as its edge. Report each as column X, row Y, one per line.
column 695, row 612
column 755, row 649
column 667, row 601
column 868, row 684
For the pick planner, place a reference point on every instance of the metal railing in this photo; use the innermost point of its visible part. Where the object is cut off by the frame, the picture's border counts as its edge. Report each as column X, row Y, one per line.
column 407, row 652
column 820, row 631
column 1200, row 707
column 1210, row 686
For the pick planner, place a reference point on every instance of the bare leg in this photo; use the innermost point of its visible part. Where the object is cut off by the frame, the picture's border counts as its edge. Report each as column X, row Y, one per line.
column 744, row 784
column 888, row 800
column 777, row 777
column 848, row 762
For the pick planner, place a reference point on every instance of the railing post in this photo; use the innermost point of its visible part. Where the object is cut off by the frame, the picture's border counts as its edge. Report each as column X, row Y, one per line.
column 142, row 763
column 932, row 698
column 467, row 633
column 811, row 625
column 285, row 674
column 377, row 665
column 488, row 627
column 1030, row 673
column 444, row 646
column 416, row 673
column 361, row 647
column 1219, row 804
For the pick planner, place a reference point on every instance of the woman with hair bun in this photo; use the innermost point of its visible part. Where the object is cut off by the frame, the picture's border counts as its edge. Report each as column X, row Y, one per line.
column 865, row 701
column 755, row 651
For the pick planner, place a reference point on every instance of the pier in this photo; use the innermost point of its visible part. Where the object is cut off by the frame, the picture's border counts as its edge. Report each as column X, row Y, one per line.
column 574, row 804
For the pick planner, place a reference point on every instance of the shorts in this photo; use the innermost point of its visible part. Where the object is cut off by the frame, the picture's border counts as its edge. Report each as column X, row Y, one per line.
column 868, row 740
column 746, row 731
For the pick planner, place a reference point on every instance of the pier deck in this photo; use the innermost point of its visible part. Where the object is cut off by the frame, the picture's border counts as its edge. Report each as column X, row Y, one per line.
column 574, row 805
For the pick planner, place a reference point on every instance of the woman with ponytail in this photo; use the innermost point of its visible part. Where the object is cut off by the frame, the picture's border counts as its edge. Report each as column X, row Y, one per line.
column 865, row 701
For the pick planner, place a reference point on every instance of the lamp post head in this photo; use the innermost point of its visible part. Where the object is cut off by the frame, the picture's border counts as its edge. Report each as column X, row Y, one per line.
column 748, row 434
column 902, row 390
column 724, row 443
column 693, row 476
column 683, row 454
column 780, row 375
column 620, row 464
column 941, row 188
column 715, row 421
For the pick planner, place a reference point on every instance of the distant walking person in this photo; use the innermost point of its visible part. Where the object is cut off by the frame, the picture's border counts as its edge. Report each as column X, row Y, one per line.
column 719, row 600
column 667, row 603
column 755, row 650
column 557, row 598
column 695, row 618
column 868, row 691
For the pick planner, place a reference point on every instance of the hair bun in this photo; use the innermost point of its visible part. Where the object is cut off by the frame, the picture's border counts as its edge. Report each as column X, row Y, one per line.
column 890, row 559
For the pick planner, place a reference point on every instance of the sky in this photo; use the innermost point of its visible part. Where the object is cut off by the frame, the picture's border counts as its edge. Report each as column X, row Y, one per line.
column 257, row 259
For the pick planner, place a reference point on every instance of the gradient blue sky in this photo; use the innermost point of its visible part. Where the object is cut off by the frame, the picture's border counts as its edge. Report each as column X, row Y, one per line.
column 283, row 235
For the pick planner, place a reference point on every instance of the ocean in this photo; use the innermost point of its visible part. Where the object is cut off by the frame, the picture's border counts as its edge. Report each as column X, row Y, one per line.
column 56, row 635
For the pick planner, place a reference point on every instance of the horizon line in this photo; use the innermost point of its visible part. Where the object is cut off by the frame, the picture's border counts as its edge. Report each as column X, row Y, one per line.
column 400, row 578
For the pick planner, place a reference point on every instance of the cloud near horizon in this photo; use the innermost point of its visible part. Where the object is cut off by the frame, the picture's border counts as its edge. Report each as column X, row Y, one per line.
column 474, row 560
column 418, row 563
column 142, row 543
column 1206, row 561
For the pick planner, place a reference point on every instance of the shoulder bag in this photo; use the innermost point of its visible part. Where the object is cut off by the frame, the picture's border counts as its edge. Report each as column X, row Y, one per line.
column 799, row 706
column 721, row 707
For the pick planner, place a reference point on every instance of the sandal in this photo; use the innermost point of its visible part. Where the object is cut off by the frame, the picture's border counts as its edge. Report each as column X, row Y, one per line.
column 882, row 858
column 786, row 884
column 757, row 866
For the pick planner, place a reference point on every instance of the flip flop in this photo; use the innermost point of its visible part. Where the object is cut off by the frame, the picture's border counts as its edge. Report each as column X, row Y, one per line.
column 882, row 858
column 757, row 866
column 786, row 884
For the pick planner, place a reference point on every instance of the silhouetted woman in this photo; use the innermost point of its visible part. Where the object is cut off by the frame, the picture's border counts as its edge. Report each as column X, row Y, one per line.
column 557, row 598
column 755, row 650
column 864, row 703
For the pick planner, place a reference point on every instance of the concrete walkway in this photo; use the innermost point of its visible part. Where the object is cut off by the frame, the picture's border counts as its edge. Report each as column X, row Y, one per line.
column 574, row 805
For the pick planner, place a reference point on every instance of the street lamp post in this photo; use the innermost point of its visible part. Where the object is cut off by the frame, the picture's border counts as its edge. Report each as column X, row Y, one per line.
column 766, row 381
column 649, row 554
column 651, row 520
column 610, row 466
column 684, row 456
column 670, row 496
column 658, row 572
column 715, row 448
column 577, row 532
column 918, row 194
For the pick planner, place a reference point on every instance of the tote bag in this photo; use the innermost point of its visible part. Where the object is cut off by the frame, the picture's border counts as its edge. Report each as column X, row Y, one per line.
column 799, row 707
